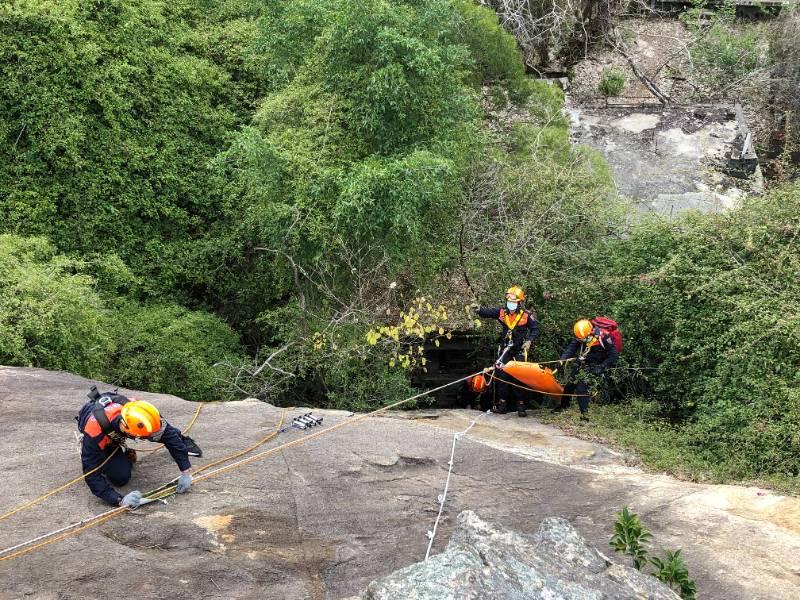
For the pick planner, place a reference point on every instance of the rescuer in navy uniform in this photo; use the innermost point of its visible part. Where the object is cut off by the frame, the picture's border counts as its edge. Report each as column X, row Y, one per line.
column 520, row 329
column 106, row 422
column 595, row 350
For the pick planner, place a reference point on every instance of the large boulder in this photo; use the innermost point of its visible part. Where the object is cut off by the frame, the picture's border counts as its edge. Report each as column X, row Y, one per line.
column 484, row 560
column 322, row 519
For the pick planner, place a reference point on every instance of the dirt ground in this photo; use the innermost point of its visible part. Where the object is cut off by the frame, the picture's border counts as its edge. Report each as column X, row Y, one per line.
column 324, row 518
column 661, row 50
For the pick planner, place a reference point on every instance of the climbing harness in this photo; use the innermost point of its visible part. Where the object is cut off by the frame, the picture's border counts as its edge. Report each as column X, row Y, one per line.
column 72, row 482
column 168, row 489
column 511, row 323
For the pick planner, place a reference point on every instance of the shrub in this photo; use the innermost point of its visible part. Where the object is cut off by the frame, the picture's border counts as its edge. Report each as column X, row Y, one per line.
column 631, row 536
column 708, row 302
column 108, row 113
column 494, row 52
column 612, row 82
column 50, row 314
column 672, row 571
column 172, row 350
column 723, row 50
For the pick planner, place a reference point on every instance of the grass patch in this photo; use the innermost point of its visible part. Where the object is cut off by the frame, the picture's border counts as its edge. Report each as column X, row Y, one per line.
column 654, row 444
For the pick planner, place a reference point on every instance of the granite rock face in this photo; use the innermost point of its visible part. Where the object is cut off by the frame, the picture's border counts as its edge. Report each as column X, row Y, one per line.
column 484, row 560
column 321, row 520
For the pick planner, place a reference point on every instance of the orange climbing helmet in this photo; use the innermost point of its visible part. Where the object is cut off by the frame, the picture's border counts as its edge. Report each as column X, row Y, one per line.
column 140, row 418
column 477, row 383
column 515, row 294
column 583, row 329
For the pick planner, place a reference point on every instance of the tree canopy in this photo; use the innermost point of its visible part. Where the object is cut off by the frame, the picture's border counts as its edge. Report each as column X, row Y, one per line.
column 293, row 197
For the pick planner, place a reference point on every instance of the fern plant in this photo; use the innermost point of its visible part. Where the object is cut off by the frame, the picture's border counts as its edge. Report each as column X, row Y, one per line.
column 630, row 536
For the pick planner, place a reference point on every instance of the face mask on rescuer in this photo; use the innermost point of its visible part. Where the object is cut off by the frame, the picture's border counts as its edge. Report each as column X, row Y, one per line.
column 512, row 306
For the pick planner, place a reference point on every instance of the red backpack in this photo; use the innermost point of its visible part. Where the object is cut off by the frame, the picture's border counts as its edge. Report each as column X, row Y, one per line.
column 610, row 327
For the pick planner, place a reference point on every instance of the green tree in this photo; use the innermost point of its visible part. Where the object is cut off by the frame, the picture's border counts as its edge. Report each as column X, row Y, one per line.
column 108, row 114
column 50, row 315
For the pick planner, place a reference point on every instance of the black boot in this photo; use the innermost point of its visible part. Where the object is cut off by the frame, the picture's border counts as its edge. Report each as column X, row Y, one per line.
column 191, row 448
column 521, row 408
column 585, row 416
column 502, row 407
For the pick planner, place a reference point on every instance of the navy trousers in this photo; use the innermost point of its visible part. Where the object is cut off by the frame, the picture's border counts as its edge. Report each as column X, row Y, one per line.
column 581, row 391
column 118, row 469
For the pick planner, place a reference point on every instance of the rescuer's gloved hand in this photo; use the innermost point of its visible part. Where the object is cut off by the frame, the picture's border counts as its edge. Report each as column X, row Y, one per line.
column 526, row 345
column 132, row 499
column 184, row 483
column 474, row 306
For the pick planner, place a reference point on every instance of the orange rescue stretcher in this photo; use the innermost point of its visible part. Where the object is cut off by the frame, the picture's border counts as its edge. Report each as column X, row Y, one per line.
column 539, row 379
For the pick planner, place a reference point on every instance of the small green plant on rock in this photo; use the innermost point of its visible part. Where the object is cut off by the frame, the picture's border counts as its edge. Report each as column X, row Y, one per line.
column 631, row 536
column 672, row 571
column 612, row 82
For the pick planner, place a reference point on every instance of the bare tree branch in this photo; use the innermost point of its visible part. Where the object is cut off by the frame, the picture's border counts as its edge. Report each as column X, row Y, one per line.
column 295, row 272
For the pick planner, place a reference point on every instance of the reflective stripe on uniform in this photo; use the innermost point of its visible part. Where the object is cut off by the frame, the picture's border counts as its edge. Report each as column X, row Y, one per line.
column 94, row 430
column 520, row 320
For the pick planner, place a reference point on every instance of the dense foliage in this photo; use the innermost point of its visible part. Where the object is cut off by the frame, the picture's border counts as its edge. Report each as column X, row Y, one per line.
column 51, row 315
column 237, row 198
column 712, row 302
column 108, row 113
column 244, row 158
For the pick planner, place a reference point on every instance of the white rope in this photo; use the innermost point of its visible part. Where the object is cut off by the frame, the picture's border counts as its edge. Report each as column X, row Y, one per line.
column 57, row 531
column 432, row 534
column 341, row 424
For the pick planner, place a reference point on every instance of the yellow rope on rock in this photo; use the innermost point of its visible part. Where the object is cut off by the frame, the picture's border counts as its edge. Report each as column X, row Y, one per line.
column 100, row 519
column 166, row 491
column 60, row 488
column 154, row 495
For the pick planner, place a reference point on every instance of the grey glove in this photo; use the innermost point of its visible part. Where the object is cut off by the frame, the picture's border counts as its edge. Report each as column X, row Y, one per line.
column 474, row 306
column 526, row 345
column 184, row 483
column 132, row 499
